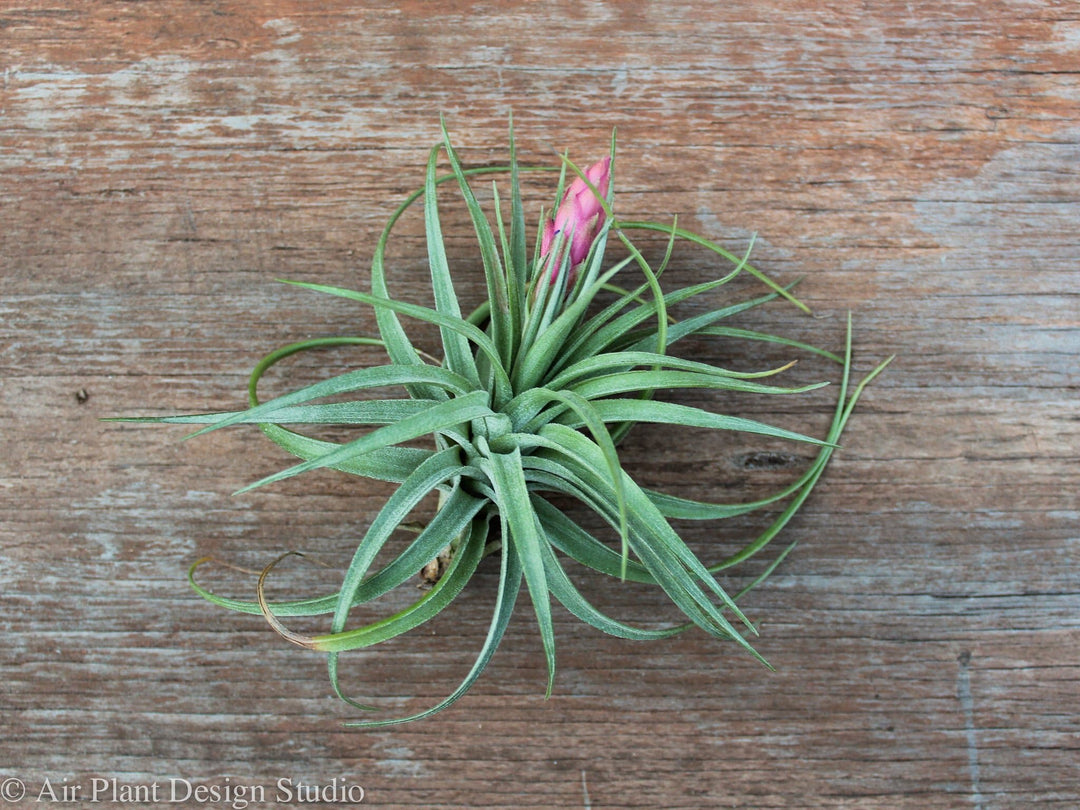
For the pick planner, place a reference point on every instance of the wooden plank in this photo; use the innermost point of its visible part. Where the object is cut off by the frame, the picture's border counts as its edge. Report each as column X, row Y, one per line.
column 161, row 164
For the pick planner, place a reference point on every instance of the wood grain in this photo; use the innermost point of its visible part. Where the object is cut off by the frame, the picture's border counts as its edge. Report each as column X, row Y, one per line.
column 161, row 163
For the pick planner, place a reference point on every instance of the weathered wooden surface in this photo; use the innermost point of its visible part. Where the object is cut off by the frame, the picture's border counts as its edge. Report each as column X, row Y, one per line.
column 161, row 163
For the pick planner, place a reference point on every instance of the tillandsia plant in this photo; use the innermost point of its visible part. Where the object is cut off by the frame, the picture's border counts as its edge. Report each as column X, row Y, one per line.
column 532, row 394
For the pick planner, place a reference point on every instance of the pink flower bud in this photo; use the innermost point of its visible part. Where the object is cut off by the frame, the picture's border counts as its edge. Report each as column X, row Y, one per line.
column 579, row 218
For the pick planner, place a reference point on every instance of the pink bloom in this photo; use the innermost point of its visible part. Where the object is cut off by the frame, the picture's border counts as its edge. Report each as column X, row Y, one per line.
column 579, row 218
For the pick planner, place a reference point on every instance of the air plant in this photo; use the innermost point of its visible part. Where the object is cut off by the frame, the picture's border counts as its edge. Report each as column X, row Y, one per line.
column 533, row 393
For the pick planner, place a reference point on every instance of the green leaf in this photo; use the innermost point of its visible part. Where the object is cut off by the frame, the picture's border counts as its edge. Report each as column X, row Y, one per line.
column 523, row 536
column 670, row 413
column 748, row 334
column 489, row 255
column 397, row 342
column 517, row 261
column 444, row 415
column 690, row 326
column 392, row 464
column 718, row 250
column 658, row 295
column 375, row 377
column 461, row 568
column 455, row 344
column 661, row 559
column 449, row 522
column 506, row 597
column 603, row 439
column 598, row 336
column 353, row 412
column 289, row 350
column 570, row 597
column 573, row 541
column 844, row 408
column 436, row 470
column 538, row 357
column 624, row 361
column 482, row 341
column 457, row 512
column 658, row 547
column 515, row 294
column 630, row 381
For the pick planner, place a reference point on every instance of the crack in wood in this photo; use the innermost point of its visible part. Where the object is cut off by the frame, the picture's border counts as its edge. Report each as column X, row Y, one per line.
column 967, row 705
